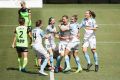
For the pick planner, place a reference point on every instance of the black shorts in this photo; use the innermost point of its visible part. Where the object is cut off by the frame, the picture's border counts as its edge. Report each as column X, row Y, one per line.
column 21, row 49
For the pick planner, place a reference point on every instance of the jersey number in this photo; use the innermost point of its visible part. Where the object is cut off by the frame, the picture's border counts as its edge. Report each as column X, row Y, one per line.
column 21, row 34
column 34, row 36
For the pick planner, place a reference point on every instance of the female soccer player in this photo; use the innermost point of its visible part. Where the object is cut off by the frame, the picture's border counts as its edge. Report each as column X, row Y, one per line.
column 26, row 14
column 64, row 39
column 73, row 44
column 21, row 43
column 37, row 36
column 50, row 41
column 90, row 27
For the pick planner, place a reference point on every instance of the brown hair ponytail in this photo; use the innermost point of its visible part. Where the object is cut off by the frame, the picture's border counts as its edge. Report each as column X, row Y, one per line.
column 92, row 13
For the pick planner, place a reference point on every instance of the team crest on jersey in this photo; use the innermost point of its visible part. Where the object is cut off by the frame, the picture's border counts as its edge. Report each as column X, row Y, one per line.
column 89, row 23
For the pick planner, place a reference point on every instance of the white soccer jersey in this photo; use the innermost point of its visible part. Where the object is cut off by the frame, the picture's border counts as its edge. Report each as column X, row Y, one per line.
column 65, row 33
column 88, row 23
column 74, row 30
column 37, row 35
column 51, row 31
column 63, row 42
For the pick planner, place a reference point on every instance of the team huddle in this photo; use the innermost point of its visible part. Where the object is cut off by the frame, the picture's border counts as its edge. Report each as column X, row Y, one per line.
column 43, row 41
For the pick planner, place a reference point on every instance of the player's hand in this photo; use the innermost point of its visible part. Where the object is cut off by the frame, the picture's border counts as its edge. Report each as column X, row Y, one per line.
column 88, row 28
column 13, row 46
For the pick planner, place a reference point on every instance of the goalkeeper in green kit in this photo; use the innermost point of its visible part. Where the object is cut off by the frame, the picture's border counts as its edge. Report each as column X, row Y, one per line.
column 26, row 14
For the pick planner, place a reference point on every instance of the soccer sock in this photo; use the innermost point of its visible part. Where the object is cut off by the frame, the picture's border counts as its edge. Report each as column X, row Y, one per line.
column 59, row 58
column 44, row 65
column 25, row 61
column 20, row 63
column 87, row 57
column 67, row 61
column 65, row 65
column 77, row 60
column 95, row 58
column 51, row 60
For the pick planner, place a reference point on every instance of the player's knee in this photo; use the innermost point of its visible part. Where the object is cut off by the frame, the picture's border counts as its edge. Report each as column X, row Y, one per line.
column 67, row 51
column 84, row 50
column 25, row 54
column 62, row 54
column 75, row 53
column 93, row 50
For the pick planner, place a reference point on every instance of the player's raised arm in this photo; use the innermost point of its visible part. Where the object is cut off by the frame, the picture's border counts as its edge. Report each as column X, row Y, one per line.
column 29, row 17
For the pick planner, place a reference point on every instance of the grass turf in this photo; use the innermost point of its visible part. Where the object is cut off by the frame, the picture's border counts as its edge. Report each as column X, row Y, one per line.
column 109, row 56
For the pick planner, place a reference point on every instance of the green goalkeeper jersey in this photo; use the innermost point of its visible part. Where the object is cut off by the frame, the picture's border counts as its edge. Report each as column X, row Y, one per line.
column 21, row 36
column 24, row 13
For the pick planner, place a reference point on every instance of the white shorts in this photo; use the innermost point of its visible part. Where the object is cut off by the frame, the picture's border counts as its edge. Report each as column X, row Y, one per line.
column 50, row 46
column 40, row 51
column 62, row 46
column 90, row 41
column 73, row 45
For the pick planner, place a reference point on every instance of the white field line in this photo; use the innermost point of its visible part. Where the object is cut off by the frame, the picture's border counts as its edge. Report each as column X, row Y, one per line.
column 8, row 25
column 105, row 42
column 98, row 24
column 102, row 42
column 109, row 24
column 108, row 42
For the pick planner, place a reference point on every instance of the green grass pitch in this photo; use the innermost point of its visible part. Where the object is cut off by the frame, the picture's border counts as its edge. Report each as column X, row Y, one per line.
column 108, row 38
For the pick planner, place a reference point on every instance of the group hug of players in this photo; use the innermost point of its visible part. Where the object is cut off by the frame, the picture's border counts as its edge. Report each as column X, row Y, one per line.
column 69, row 41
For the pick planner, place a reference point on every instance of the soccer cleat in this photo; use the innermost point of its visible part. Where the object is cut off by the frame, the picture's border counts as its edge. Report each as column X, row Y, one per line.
column 96, row 68
column 23, row 70
column 88, row 67
column 78, row 70
column 43, row 73
column 67, row 69
column 56, row 70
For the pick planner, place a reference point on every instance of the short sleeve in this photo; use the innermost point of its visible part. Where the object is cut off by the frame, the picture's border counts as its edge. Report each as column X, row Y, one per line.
column 47, row 29
column 42, row 33
column 81, row 24
column 94, row 23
